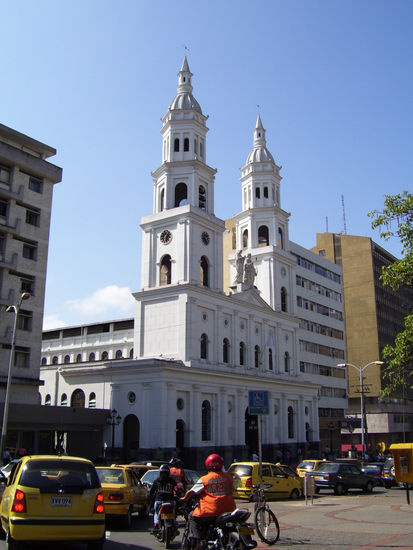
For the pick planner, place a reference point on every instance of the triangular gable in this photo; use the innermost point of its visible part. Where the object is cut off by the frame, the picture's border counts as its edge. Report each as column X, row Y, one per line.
column 251, row 296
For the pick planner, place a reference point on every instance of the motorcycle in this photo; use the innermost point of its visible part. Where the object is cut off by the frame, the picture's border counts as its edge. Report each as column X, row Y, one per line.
column 229, row 532
column 167, row 525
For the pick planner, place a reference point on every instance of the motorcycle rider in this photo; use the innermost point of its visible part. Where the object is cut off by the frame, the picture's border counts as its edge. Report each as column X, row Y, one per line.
column 177, row 472
column 162, row 490
column 215, row 498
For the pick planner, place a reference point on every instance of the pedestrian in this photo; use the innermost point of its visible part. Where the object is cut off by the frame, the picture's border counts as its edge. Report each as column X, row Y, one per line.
column 6, row 457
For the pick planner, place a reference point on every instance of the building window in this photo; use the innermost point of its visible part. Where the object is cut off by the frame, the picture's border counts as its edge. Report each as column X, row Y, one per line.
column 186, row 145
column 202, row 197
column 35, row 184
column 181, row 194
column 131, row 397
column 131, row 354
column 4, row 174
column 266, row 192
column 280, row 238
column 225, row 350
column 201, row 149
column 180, row 404
column 33, row 217
column 204, row 346
column 105, row 356
column 92, row 400
column 3, row 208
column 27, row 284
column 79, row 358
column 48, row 400
column 204, row 271
column 67, row 359
column 44, row 361
column 257, row 354
column 263, row 237
column 29, row 251
column 22, row 357
column 290, row 423
column 206, row 421
column 286, row 362
column 92, row 356
column 78, row 399
column 257, row 193
column 165, row 271
column 63, row 400
column 270, row 365
column 307, row 432
column 118, row 354
column 55, row 360
column 245, row 239
column 283, row 299
column 24, row 320
column 241, row 353
column 162, row 205
column 176, row 145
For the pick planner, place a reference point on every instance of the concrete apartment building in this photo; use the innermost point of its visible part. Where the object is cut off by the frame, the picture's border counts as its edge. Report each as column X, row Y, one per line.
column 26, row 189
column 373, row 316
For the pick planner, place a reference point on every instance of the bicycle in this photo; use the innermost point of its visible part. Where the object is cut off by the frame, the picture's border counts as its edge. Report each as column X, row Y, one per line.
column 265, row 521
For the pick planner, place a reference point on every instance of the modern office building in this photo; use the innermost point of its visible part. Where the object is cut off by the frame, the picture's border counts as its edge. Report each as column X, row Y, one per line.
column 374, row 314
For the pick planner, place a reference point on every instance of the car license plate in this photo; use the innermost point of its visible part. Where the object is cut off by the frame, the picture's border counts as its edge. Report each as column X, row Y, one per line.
column 245, row 530
column 167, row 516
column 65, row 502
column 319, row 477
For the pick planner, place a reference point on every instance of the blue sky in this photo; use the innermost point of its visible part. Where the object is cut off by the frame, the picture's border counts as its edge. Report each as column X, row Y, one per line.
column 92, row 78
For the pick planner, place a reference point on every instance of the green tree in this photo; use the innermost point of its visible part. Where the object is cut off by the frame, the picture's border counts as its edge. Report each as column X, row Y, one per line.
column 396, row 220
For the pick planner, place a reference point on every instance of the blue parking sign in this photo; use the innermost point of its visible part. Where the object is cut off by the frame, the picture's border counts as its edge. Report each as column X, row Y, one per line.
column 258, row 402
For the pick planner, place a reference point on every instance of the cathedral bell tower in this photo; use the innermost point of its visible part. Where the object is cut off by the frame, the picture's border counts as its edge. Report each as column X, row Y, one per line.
column 261, row 229
column 182, row 239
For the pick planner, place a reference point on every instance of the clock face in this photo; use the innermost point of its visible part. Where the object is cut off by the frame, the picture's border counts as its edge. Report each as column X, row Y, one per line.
column 205, row 237
column 166, row 237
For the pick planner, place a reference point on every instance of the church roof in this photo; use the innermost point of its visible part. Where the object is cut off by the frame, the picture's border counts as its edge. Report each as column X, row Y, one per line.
column 260, row 153
column 184, row 98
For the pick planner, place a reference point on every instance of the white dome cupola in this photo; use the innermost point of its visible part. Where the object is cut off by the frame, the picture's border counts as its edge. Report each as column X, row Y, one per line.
column 260, row 152
column 184, row 99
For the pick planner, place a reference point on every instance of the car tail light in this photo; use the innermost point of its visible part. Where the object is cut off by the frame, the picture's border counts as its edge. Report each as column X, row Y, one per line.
column 326, row 477
column 19, row 502
column 167, row 508
column 116, row 496
column 99, row 507
column 248, row 482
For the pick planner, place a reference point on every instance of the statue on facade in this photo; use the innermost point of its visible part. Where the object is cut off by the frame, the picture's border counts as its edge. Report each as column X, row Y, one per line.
column 239, row 266
column 249, row 271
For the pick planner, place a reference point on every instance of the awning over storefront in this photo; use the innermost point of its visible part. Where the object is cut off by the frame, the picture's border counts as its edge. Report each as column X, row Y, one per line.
column 345, row 447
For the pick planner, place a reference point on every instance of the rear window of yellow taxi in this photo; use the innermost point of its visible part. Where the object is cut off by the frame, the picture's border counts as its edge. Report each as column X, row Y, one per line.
column 46, row 496
column 308, row 466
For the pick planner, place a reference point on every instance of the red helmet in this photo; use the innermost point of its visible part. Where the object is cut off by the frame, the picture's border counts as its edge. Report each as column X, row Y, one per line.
column 214, row 462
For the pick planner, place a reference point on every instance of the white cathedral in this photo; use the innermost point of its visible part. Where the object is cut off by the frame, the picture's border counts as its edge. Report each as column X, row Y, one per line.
column 182, row 384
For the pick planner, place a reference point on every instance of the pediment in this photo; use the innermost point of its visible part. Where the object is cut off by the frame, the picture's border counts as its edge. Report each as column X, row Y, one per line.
column 251, row 296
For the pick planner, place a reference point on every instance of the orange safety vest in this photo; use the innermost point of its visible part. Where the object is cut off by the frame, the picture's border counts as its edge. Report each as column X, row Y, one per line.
column 217, row 495
column 177, row 474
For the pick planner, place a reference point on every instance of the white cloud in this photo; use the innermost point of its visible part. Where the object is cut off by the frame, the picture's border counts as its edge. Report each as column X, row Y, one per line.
column 114, row 299
column 53, row 321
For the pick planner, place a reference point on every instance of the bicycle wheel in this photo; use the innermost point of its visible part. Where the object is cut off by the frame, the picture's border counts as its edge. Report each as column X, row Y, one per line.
column 266, row 525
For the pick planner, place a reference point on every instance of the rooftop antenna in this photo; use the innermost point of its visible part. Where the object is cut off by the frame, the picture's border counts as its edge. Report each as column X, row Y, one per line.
column 326, row 224
column 186, row 49
column 344, row 215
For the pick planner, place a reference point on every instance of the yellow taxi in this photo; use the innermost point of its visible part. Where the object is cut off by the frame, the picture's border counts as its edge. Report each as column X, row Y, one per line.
column 53, row 498
column 307, row 466
column 139, row 469
column 246, row 474
column 123, row 493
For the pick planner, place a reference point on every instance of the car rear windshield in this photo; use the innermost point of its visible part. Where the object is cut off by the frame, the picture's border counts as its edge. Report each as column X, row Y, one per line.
column 306, row 465
column 328, row 467
column 52, row 476
column 111, row 475
column 240, row 470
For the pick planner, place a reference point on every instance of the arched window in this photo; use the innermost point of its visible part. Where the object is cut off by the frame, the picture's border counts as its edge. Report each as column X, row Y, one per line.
column 286, row 362
column 195, row 146
column 105, row 355
column 257, row 193
column 270, row 365
column 290, row 422
column 186, row 144
column 202, row 197
column 242, row 353
column 266, row 192
column 79, row 358
column 257, row 353
column 67, row 359
column 162, row 202
column 118, row 354
column 48, row 400
column 176, row 145
column 131, row 353
column 204, row 346
column 280, row 238
column 225, row 350
column 263, row 238
column 206, row 421
column 92, row 400
column 78, row 399
column 201, row 149
column 204, row 271
column 283, row 299
column 181, row 194
column 165, row 271
column 63, row 400
column 55, row 360
column 92, row 356
column 44, row 360
column 245, row 239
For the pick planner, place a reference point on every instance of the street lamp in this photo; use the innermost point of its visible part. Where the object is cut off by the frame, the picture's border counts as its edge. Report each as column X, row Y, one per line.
column 113, row 420
column 16, row 309
column 361, row 370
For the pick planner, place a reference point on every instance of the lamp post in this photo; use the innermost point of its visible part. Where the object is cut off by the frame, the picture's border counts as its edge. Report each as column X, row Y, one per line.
column 113, row 420
column 361, row 370
column 331, row 428
column 16, row 309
